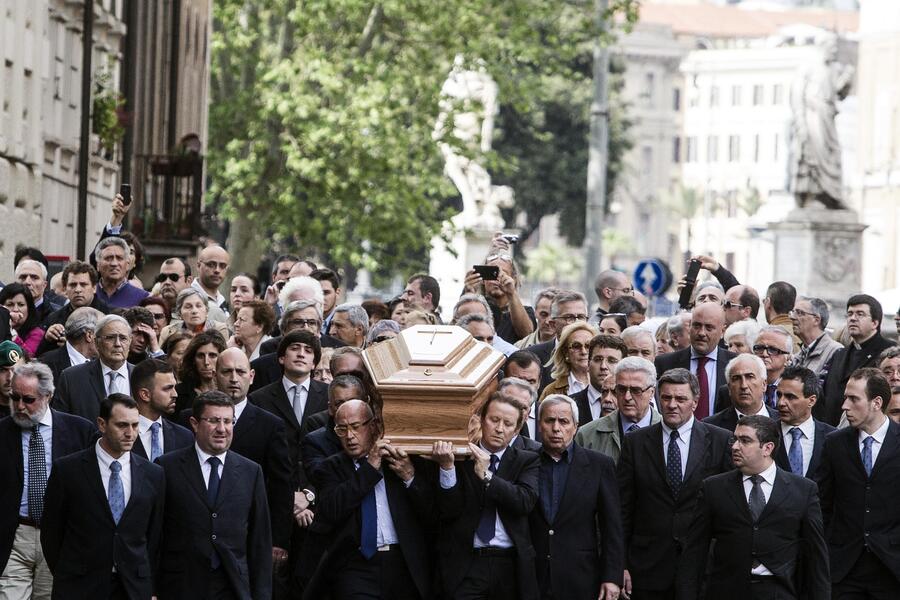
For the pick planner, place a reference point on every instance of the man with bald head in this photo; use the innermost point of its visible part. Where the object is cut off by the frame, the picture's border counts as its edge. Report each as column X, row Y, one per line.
column 741, row 303
column 212, row 265
column 703, row 358
column 609, row 285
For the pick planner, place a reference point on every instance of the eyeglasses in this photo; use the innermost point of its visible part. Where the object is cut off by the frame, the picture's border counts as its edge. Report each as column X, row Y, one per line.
column 634, row 390
column 216, row 421
column 159, row 316
column 771, row 350
column 796, row 312
column 113, row 338
column 173, row 277
column 578, row 346
column 212, row 264
column 728, row 305
column 570, row 318
column 303, row 323
column 344, row 430
column 14, row 398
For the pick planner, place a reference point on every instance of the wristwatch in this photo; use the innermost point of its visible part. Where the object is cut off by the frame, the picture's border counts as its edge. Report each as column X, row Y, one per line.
column 310, row 497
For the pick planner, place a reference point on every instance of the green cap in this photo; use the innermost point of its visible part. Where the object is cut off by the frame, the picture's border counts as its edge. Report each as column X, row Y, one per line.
column 10, row 353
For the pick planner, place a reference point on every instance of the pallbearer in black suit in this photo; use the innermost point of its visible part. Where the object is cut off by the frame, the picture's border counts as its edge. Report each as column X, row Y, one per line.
column 803, row 436
column 377, row 505
column 31, row 440
column 217, row 539
column 484, row 548
column 766, row 523
column 103, row 514
column 153, row 385
column 858, row 480
column 576, row 526
column 660, row 472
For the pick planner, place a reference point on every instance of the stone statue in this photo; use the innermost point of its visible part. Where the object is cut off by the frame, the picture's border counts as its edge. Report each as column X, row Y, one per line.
column 469, row 98
column 815, row 165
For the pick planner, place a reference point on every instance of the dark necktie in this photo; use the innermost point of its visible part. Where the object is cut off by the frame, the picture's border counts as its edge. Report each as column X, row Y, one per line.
column 770, row 395
column 795, row 456
column 673, row 464
column 703, row 405
column 632, row 428
column 369, row 533
column 867, row 455
column 212, row 490
column 37, row 475
column 488, row 522
column 757, row 499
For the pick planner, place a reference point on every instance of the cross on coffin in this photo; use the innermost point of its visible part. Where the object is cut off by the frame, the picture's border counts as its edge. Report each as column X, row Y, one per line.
column 433, row 334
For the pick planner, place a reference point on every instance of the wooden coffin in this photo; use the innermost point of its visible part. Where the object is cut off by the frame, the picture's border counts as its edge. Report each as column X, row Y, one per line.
column 432, row 378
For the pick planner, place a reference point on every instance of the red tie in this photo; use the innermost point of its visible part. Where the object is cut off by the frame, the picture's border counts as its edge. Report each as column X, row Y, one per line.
column 703, row 405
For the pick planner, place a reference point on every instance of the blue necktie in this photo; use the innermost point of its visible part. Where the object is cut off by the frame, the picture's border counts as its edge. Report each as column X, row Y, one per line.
column 369, row 532
column 795, row 455
column 673, row 464
column 634, row 427
column 488, row 522
column 37, row 475
column 867, row 454
column 116, row 491
column 155, row 449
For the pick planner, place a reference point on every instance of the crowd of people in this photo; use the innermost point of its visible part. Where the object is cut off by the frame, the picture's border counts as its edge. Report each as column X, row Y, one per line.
column 218, row 437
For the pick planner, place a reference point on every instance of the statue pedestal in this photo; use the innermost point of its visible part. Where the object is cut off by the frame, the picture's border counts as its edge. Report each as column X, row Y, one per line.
column 819, row 251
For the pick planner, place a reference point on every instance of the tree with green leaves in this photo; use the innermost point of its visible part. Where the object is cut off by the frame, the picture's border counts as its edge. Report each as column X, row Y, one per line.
column 323, row 111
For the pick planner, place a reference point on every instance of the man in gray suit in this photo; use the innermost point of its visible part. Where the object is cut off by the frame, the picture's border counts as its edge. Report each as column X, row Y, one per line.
column 810, row 318
column 82, row 387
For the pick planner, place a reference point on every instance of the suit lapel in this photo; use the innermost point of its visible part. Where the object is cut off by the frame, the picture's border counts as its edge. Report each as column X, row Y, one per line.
column 699, row 448
column 58, row 435
column 137, row 485
column 281, row 402
column 139, row 449
column 14, row 448
column 818, row 445
column 96, row 378
column 889, row 448
column 92, row 474
column 655, row 449
column 781, row 490
column 736, row 489
column 230, row 474
column 245, row 423
column 193, row 475
column 855, row 455
column 317, row 399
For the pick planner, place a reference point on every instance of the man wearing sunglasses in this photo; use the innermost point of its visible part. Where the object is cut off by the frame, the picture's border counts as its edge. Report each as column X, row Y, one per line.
column 32, row 439
column 174, row 276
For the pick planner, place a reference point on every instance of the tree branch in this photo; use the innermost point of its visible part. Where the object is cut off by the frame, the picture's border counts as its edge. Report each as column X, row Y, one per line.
column 376, row 16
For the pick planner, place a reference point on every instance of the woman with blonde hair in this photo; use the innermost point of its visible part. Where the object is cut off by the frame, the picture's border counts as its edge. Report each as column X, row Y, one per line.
column 570, row 360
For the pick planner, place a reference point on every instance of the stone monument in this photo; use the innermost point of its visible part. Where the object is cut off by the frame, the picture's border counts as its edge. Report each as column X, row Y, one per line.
column 464, row 133
column 818, row 246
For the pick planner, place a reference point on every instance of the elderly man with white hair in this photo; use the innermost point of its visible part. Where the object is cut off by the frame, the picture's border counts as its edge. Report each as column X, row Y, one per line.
column 33, row 275
column 81, row 388
column 746, row 380
column 640, row 342
column 79, row 345
column 635, row 386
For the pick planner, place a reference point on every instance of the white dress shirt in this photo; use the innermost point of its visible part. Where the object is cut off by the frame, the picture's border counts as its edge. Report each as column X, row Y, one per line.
column 768, row 481
column 531, row 422
column 683, row 441
column 122, row 383
column 575, row 385
column 205, row 467
column 75, row 357
column 594, row 402
column 710, row 374
column 145, row 434
column 807, row 440
column 879, row 435
column 239, row 409
column 501, row 539
column 304, row 392
column 104, row 460
column 762, row 412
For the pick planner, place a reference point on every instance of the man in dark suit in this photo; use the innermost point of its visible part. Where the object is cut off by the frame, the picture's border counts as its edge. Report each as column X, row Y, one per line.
column 766, row 523
column 567, row 307
column 746, row 376
column 704, row 358
column 153, row 385
column 576, row 526
column 660, row 472
column 32, row 439
column 378, row 516
column 78, row 347
column 81, row 388
column 526, row 394
column 803, row 436
column 296, row 396
column 605, row 352
column 117, row 497
column 864, row 316
column 484, row 546
column 858, row 479
column 300, row 315
column 525, row 366
column 217, row 538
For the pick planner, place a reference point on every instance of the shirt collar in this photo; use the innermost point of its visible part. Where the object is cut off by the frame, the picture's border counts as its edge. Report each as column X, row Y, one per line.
column 879, row 434
column 47, row 419
column 75, row 355
column 144, row 424
column 761, row 412
column 711, row 356
column 593, row 394
column 203, row 456
column 644, row 422
column 219, row 299
column 123, row 370
column 574, row 382
column 567, row 454
column 808, row 427
column 682, row 431
column 289, row 385
column 768, row 475
column 106, row 459
column 498, row 453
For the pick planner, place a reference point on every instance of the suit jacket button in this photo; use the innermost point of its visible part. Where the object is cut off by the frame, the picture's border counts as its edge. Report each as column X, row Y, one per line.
column 213, row 536
column 550, row 532
column 214, row 515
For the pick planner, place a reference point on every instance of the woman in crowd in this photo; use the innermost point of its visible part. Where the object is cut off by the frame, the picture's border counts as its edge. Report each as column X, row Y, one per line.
column 198, row 368
column 175, row 347
column 376, row 309
column 570, row 360
column 23, row 317
column 382, row 331
column 662, row 339
column 397, row 310
column 244, row 287
column 252, row 323
column 160, row 311
column 191, row 307
column 322, row 372
column 741, row 335
column 613, row 324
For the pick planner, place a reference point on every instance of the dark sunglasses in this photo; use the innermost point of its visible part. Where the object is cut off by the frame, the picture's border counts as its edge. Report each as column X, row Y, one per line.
column 173, row 277
column 14, row 398
column 771, row 350
column 728, row 304
column 382, row 338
